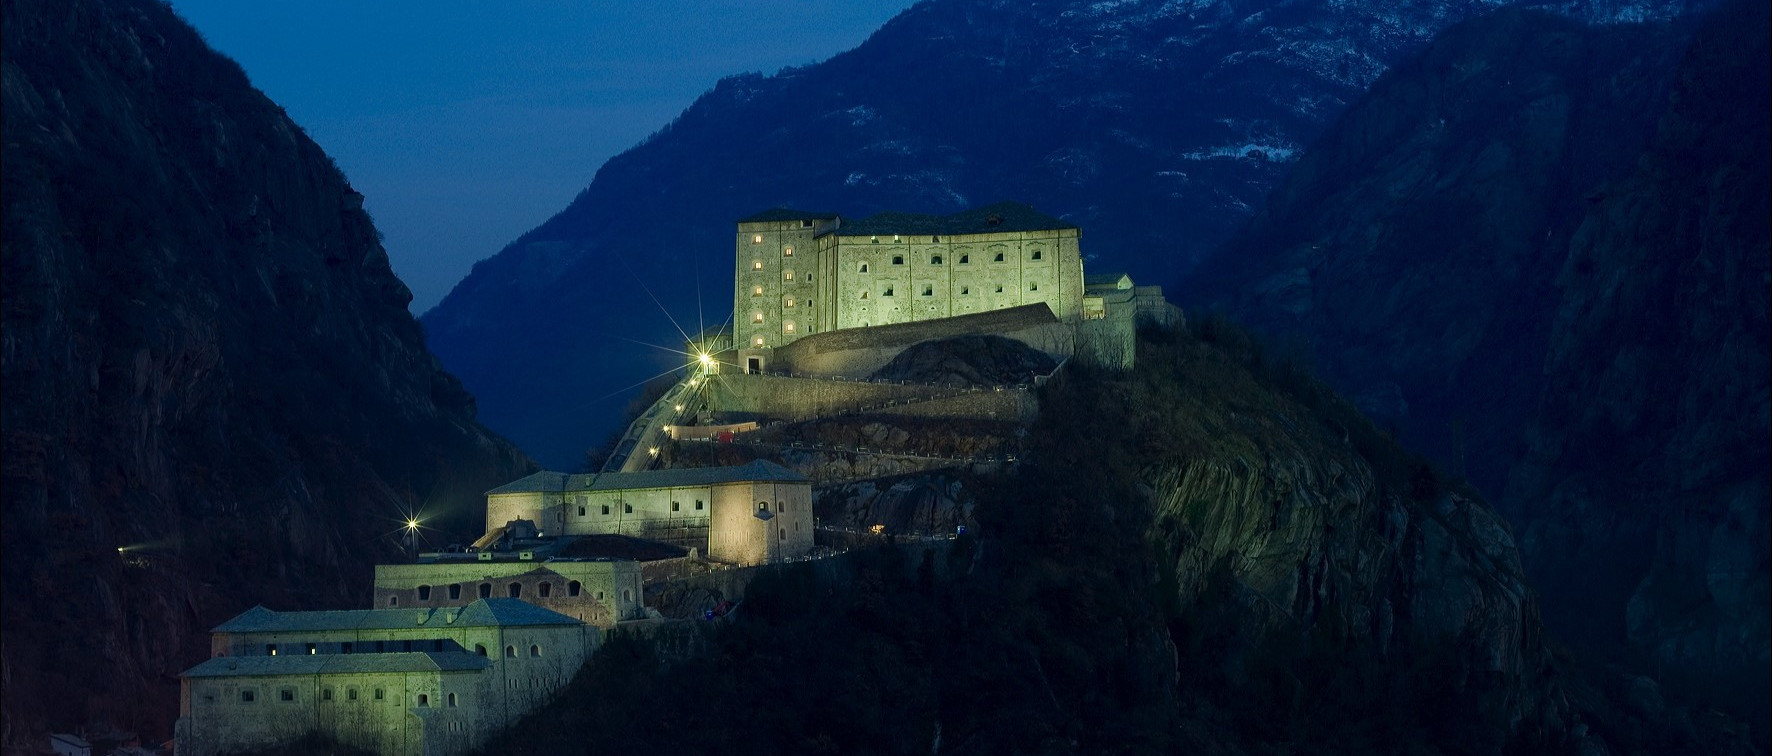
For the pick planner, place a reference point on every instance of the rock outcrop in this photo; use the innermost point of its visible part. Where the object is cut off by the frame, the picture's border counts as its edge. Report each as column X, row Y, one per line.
column 214, row 395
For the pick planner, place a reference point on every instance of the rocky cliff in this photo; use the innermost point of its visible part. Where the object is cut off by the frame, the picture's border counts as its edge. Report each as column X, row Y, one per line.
column 1539, row 251
column 214, row 395
column 1156, row 125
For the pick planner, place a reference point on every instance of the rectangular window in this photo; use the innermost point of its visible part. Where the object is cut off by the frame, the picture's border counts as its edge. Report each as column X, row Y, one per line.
column 756, row 238
column 286, row 695
column 326, row 694
column 787, row 275
column 380, row 694
column 698, row 505
column 248, row 695
column 675, row 506
column 787, row 251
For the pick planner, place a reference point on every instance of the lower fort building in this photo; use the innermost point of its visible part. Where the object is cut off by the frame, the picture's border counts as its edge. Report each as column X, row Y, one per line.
column 398, row 682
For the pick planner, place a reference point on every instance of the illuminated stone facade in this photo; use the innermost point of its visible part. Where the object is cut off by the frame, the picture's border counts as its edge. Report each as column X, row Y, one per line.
column 598, row 592
column 748, row 514
column 803, row 273
column 399, row 682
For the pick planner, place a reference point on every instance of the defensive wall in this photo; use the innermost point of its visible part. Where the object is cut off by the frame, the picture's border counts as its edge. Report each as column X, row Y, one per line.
column 596, row 592
column 859, row 352
column 795, row 399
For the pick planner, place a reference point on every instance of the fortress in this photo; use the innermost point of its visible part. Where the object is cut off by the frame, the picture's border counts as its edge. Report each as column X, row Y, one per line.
column 460, row 644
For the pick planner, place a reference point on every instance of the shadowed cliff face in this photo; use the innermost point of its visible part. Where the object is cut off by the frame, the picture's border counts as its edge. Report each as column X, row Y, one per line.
column 207, row 361
column 1156, row 126
column 1541, row 252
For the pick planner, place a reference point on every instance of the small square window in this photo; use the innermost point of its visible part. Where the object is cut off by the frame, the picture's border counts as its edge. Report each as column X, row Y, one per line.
column 1033, row 287
column 675, row 506
column 756, row 291
column 788, row 327
column 698, row 505
column 887, row 292
column 965, row 290
column 999, row 288
column 999, row 257
column 350, row 694
column 965, row 259
column 248, row 695
column 787, row 251
column 757, row 341
column 756, row 317
column 380, row 694
column 929, row 291
column 756, row 265
column 286, row 695
column 787, row 275
column 605, row 509
column 756, row 238
column 898, row 259
column 1036, row 254
column 790, row 302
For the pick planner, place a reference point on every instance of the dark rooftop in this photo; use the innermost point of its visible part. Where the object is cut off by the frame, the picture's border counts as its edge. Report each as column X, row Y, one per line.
column 610, row 546
column 505, row 612
column 546, row 481
column 990, row 219
column 322, row 664
column 779, row 214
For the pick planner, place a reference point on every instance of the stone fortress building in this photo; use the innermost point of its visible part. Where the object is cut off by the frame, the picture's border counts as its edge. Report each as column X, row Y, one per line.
column 804, row 273
column 462, row 643
column 399, row 682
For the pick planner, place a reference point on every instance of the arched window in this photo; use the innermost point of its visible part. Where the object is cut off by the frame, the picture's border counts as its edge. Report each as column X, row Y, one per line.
column 480, row 648
column 935, row 259
column 1035, row 255
column 898, row 259
column 581, row 511
column 452, row 700
column 998, row 258
column 534, row 651
column 762, row 506
column 544, row 590
column 516, row 590
column 485, row 590
column 627, row 595
column 784, row 534
column 454, row 591
column 424, row 701
column 965, row 259
column 573, row 588
column 424, row 593
column 393, row 601
column 510, row 652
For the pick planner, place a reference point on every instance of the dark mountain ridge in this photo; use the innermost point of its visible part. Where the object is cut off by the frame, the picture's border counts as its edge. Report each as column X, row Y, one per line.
column 1540, row 252
column 214, row 395
column 1155, row 126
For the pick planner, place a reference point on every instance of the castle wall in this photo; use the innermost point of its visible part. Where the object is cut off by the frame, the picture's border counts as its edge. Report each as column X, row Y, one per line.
column 775, row 262
column 541, row 508
column 606, row 591
column 676, row 515
column 795, row 399
column 378, row 712
column 740, row 537
column 858, row 353
column 877, row 281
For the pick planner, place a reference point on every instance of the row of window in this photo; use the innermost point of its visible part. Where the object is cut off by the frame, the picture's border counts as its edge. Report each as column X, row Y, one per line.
column 291, row 695
column 626, row 508
column 928, row 291
column 381, row 646
column 544, row 589
column 788, row 275
column 780, row 506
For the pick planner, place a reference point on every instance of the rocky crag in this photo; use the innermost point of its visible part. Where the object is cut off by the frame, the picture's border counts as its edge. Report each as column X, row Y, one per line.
column 214, row 395
column 1210, row 554
column 1540, row 253
column 1158, row 126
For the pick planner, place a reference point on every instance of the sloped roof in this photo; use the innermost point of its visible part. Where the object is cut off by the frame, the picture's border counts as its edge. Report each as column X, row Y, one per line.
column 760, row 470
column 1107, row 280
column 506, row 612
column 546, row 481
column 324, row 664
column 991, row 219
column 779, row 214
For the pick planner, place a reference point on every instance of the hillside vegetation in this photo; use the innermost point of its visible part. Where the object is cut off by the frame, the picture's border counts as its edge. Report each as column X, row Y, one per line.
column 1211, row 554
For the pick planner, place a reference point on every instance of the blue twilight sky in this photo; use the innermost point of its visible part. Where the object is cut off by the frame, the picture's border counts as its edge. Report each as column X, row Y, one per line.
column 465, row 124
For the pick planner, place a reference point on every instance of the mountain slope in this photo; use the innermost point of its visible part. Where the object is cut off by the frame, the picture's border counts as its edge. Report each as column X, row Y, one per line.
column 1540, row 252
column 214, row 395
column 1156, row 126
